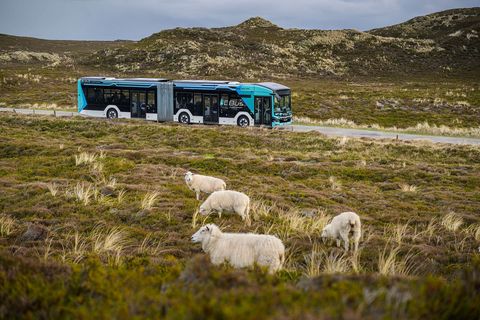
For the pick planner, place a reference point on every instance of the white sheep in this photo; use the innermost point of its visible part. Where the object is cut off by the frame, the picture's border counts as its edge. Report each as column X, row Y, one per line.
column 206, row 184
column 340, row 226
column 228, row 200
column 241, row 249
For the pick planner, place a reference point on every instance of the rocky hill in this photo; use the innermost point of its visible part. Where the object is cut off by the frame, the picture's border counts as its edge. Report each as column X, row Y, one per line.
column 444, row 43
column 441, row 44
column 15, row 50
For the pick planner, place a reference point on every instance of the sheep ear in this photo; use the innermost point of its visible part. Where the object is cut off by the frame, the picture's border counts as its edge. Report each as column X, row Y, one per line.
column 208, row 229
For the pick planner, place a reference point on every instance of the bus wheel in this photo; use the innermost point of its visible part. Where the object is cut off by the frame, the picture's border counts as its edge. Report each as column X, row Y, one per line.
column 184, row 118
column 112, row 114
column 243, row 121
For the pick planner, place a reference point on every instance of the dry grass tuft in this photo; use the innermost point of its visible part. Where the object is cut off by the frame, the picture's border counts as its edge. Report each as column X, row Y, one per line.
column 79, row 248
column 259, row 209
column 97, row 169
column 83, row 192
column 335, row 262
column 355, row 261
column 391, row 264
column 112, row 183
column 408, row 188
column 319, row 261
column 121, row 196
column 473, row 230
column 335, row 184
column 293, row 222
column 149, row 246
column 452, row 221
column 109, row 243
column 194, row 219
column 149, row 199
column 52, row 188
column 47, row 252
column 7, row 225
column 85, row 158
column 396, row 232
column 312, row 262
column 343, row 141
column 431, row 228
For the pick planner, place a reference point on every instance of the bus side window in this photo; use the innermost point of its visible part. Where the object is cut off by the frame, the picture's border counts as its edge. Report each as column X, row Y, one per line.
column 107, row 96
column 151, row 103
column 90, row 95
column 99, row 96
column 124, row 98
column 189, row 102
column 224, row 105
column 197, row 108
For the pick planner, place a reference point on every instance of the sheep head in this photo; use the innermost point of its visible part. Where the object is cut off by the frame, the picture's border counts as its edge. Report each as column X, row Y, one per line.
column 188, row 177
column 326, row 232
column 206, row 232
column 203, row 210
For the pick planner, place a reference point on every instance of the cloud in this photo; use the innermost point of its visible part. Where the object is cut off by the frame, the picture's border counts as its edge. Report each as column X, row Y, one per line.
column 124, row 19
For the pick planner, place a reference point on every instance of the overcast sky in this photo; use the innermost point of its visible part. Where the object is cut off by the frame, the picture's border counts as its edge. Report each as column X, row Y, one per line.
column 135, row 19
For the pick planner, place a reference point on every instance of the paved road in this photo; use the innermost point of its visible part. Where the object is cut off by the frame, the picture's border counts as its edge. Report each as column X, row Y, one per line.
column 373, row 134
column 329, row 131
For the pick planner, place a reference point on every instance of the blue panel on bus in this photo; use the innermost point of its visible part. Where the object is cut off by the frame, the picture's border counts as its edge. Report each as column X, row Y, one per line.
column 82, row 101
column 249, row 91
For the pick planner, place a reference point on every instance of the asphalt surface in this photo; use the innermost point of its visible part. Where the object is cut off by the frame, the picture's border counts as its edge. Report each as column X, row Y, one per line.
column 374, row 134
column 328, row 131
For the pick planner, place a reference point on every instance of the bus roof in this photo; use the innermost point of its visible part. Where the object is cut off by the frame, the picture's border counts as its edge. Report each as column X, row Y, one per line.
column 124, row 79
column 184, row 83
column 273, row 86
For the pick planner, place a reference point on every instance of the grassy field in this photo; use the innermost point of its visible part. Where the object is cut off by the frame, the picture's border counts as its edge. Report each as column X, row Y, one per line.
column 390, row 102
column 96, row 223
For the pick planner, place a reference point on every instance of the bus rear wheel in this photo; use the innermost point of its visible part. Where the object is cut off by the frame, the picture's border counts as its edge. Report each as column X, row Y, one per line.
column 243, row 121
column 184, row 118
column 112, row 114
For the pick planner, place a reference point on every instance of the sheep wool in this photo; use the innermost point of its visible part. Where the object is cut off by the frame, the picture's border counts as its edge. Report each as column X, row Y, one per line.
column 205, row 184
column 228, row 200
column 241, row 249
column 339, row 229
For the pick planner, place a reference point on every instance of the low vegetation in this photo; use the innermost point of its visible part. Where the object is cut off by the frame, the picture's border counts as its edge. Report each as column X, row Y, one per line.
column 96, row 220
column 100, row 227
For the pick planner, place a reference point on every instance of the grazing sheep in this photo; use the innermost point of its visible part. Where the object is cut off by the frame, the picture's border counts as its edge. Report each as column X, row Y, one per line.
column 206, row 184
column 228, row 200
column 241, row 249
column 340, row 226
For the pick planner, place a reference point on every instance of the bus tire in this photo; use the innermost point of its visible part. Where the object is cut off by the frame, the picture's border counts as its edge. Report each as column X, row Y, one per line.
column 184, row 118
column 243, row 121
column 112, row 113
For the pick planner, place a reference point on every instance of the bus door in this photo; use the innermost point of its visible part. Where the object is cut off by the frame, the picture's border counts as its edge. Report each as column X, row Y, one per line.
column 263, row 111
column 138, row 104
column 210, row 108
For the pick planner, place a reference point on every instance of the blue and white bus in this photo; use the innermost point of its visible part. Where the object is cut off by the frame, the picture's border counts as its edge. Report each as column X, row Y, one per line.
column 186, row 101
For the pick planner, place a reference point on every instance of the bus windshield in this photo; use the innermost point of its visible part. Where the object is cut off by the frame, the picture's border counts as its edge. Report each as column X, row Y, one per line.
column 282, row 104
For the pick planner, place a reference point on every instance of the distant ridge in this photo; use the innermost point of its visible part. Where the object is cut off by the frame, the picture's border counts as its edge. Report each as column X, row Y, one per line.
column 257, row 22
column 445, row 43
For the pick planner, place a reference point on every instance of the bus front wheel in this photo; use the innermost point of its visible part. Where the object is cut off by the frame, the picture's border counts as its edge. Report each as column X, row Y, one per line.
column 112, row 114
column 184, row 118
column 243, row 121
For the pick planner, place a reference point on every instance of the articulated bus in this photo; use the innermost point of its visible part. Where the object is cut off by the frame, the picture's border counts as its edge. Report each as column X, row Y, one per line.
column 186, row 101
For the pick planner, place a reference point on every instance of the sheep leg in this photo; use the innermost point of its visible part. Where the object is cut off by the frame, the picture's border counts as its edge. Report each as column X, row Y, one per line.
column 198, row 195
column 338, row 242
column 219, row 213
column 356, row 239
column 344, row 236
